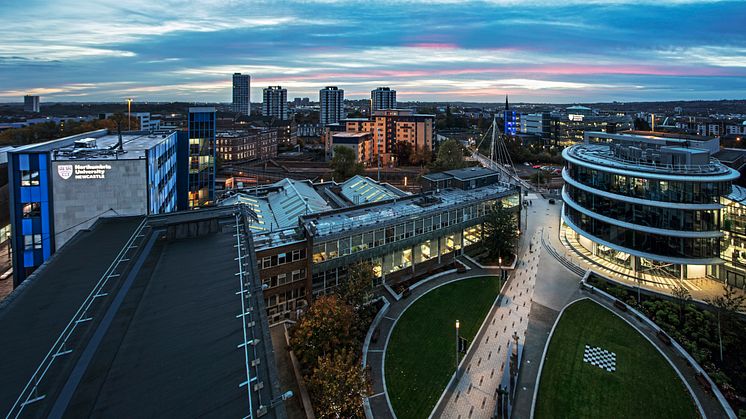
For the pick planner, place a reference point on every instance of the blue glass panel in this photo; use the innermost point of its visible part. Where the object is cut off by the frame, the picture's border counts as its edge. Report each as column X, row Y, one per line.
column 23, row 162
column 28, row 259
column 27, row 227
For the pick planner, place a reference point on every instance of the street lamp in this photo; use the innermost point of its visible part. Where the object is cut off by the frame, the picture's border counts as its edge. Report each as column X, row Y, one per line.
column 500, row 262
column 129, row 114
column 457, row 326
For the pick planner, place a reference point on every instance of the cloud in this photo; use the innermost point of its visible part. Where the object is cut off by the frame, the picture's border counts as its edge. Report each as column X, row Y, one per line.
column 428, row 49
column 718, row 56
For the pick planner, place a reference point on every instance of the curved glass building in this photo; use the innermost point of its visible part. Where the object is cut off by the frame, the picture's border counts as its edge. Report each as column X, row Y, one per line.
column 647, row 205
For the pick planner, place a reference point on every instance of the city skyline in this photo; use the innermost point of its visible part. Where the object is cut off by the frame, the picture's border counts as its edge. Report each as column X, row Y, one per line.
column 583, row 51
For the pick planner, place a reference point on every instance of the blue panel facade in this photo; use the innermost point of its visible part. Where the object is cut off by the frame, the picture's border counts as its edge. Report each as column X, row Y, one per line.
column 511, row 122
column 162, row 168
column 201, row 157
column 31, row 212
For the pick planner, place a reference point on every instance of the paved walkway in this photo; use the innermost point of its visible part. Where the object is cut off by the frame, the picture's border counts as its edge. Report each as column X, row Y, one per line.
column 379, row 404
column 475, row 393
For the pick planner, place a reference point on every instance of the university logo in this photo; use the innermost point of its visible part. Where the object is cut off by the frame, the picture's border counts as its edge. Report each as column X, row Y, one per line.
column 65, row 171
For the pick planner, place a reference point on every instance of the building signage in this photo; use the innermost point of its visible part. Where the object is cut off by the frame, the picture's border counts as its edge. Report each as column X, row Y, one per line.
column 65, row 171
column 83, row 171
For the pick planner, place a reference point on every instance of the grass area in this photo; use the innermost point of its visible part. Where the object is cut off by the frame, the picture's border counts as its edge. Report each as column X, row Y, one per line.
column 644, row 384
column 421, row 355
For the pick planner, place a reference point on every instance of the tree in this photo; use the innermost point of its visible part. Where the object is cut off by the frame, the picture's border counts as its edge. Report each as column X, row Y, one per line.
column 641, row 125
column 324, row 328
column 344, row 164
column 450, row 156
column 449, row 117
column 338, row 385
column 50, row 130
column 682, row 296
column 500, row 232
column 726, row 306
column 420, row 156
column 356, row 290
column 404, row 152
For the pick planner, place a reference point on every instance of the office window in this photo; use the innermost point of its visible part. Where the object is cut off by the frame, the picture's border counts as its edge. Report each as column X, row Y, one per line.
column 32, row 241
column 31, row 209
column 29, row 178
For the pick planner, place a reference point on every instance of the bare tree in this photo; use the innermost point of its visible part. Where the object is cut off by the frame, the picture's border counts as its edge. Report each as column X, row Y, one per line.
column 726, row 307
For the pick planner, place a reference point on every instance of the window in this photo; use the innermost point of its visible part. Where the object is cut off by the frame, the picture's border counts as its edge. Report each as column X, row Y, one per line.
column 266, row 262
column 31, row 209
column 298, row 254
column 29, row 178
column 32, row 241
column 281, row 258
column 319, row 253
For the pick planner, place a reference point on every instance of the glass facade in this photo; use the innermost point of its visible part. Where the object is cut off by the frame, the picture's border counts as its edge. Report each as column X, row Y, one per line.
column 162, row 176
column 332, row 249
column 734, row 243
column 668, row 246
column 646, row 215
column 201, row 188
column 651, row 189
column 400, row 250
column 31, row 212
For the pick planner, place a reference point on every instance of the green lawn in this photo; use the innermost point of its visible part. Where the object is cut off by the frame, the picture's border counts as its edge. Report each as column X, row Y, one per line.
column 644, row 384
column 421, row 357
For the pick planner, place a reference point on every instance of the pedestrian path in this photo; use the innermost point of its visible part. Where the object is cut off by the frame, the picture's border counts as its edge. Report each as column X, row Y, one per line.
column 475, row 394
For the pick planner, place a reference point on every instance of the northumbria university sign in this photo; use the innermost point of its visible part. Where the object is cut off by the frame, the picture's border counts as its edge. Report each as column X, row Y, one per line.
column 83, row 171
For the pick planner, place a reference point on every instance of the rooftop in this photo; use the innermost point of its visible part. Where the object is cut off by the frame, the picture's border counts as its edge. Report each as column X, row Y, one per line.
column 334, row 222
column 162, row 352
column 738, row 194
column 198, row 109
column 350, row 134
column 362, row 190
column 466, row 173
column 99, row 145
column 730, row 155
column 279, row 205
column 648, row 161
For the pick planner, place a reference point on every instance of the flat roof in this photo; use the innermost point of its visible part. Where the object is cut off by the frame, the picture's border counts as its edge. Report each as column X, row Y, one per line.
column 196, row 109
column 603, row 155
column 729, row 155
column 135, row 143
column 134, row 146
column 351, row 134
column 338, row 221
column 173, row 338
column 466, row 173
column 35, row 313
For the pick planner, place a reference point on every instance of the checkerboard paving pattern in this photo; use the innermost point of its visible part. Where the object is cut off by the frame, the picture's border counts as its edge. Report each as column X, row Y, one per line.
column 600, row 357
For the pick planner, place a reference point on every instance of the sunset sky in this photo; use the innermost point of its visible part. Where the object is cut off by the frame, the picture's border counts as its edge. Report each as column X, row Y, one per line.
column 534, row 51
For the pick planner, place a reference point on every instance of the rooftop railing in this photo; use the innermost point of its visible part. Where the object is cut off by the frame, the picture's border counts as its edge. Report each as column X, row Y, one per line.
column 603, row 154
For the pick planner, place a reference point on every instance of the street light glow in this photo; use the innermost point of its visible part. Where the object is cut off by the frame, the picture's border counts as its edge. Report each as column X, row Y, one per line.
column 457, row 324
